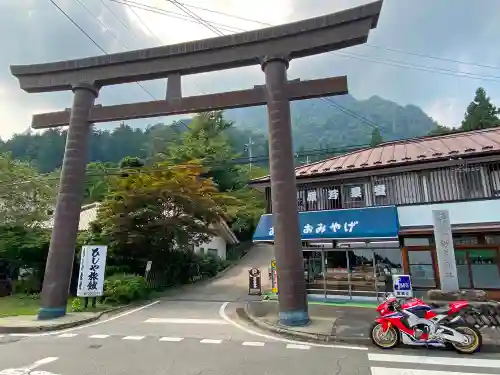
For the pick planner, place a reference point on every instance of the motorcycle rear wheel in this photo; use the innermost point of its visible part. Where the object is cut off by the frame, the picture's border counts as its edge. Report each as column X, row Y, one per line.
column 476, row 339
column 384, row 340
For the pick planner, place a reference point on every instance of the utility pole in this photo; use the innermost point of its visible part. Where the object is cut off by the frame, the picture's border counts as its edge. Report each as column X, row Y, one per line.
column 248, row 148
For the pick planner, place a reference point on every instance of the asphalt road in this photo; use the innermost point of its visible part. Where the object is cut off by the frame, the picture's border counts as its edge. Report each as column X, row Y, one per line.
column 196, row 332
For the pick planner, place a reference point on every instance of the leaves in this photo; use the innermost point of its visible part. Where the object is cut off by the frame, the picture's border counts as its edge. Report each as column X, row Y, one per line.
column 26, row 198
column 481, row 113
column 170, row 205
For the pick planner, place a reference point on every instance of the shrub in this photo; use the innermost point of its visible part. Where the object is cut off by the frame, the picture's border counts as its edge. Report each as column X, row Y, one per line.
column 125, row 288
column 76, row 305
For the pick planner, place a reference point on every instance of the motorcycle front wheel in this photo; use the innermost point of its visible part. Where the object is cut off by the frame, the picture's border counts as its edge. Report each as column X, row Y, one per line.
column 384, row 340
column 475, row 339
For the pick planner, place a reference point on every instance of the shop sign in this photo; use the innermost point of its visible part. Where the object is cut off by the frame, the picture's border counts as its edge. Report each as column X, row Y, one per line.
column 401, row 286
column 254, row 282
column 356, row 223
column 445, row 251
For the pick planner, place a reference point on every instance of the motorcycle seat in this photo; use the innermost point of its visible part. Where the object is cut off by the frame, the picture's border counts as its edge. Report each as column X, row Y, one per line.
column 441, row 310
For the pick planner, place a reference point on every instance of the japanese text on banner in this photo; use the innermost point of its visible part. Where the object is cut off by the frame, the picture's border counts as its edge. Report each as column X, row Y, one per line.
column 92, row 269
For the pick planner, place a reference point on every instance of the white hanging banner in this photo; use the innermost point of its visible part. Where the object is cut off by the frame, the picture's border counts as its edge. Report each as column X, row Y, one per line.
column 92, row 268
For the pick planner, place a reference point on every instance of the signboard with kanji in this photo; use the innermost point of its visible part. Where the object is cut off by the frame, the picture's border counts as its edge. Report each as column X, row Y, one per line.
column 91, row 273
column 254, row 282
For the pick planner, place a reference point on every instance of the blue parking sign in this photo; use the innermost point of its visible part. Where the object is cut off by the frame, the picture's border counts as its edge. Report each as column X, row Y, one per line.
column 402, row 285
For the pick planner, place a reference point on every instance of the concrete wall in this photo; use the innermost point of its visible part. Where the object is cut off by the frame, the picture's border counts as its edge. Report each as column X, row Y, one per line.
column 216, row 243
column 485, row 211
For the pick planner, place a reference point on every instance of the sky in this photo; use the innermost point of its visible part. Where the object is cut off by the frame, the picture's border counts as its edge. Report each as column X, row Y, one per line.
column 429, row 53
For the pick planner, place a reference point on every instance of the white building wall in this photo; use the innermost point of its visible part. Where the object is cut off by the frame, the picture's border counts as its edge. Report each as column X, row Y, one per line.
column 216, row 243
column 471, row 212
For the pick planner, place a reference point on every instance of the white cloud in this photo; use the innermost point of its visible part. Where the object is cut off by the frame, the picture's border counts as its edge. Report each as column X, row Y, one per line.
column 446, row 111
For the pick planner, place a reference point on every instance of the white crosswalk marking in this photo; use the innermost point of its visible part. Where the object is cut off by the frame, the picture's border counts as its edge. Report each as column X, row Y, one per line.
column 67, row 335
column 416, row 365
column 172, row 339
column 210, row 341
column 99, row 336
column 297, row 346
column 134, row 338
column 442, row 361
column 406, row 371
column 250, row 343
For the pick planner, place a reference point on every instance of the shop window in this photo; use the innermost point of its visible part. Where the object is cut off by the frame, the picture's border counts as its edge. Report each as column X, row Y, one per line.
column 484, row 268
column 417, row 241
column 456, row 183
column 464, row 281
column 465, row 240
column 421, row 269
column 396, row 189
column 493, row 239
column 202, row 250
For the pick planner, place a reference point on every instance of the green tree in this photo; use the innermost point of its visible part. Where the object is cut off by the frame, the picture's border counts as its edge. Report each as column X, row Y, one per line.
column 207, row 142
column 376, row 137
column 97, row 181
column 481, row 113
column 149, row 215
column 26, row 197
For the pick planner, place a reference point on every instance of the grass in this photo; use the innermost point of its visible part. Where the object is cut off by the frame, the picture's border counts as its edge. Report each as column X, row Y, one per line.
column 22, row 304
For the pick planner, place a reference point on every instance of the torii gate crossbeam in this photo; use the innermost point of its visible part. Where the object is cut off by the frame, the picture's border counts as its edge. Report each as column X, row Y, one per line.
column 271, row 47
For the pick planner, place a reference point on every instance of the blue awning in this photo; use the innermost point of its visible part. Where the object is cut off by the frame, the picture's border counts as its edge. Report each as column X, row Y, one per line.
column 354, row 223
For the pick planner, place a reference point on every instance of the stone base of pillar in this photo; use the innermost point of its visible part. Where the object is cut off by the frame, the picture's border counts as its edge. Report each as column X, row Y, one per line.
column 46, row 313
column 294, row 318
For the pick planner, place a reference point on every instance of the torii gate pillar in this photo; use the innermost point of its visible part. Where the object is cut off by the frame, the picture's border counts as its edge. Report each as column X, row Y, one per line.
column 67, row 214
column 287, row 246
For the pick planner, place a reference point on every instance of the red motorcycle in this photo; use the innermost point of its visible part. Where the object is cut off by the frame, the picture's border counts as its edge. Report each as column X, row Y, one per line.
column 413, row 322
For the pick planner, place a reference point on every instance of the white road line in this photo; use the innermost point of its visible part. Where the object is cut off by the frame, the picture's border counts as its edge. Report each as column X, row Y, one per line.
column 172, row 339
column 54, row 333
column 210, row 341
column 297, row 346
column 253, row 343
column 444, row 361
column 223, row 315
column 99, row 336
column 39, row 363
column 186, row 321
column 68, row 335
column 406, row 371
column 133, row 338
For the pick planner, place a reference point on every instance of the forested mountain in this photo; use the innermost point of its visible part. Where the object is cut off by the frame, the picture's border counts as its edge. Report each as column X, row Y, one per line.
column 342, row 121
column 335, row 125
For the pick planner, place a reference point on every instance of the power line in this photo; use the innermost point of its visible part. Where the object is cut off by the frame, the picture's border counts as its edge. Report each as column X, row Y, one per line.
column 164, row 12
column 78, row 26
column 118, row 18
column 145, row 25
column 92, row 40
column 431, row 57
column 195, row 16
column 364, row 45
column 102, row 24
column 105, row 172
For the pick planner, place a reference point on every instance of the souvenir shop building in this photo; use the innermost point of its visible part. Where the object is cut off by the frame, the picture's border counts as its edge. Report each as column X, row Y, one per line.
column 370, row 211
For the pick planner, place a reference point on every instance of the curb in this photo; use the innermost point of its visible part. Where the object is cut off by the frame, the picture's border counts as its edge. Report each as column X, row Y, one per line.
column 58, row 327
column 320, row 338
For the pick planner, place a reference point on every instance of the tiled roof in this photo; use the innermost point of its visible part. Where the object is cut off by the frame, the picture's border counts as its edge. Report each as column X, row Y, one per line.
column 403, row 152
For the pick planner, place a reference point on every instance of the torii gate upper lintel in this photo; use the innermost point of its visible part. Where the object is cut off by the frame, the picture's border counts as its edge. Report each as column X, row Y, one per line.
column 272, row 48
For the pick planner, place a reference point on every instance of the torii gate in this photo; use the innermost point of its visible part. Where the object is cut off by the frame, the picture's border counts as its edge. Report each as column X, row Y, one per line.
column 271, row 47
